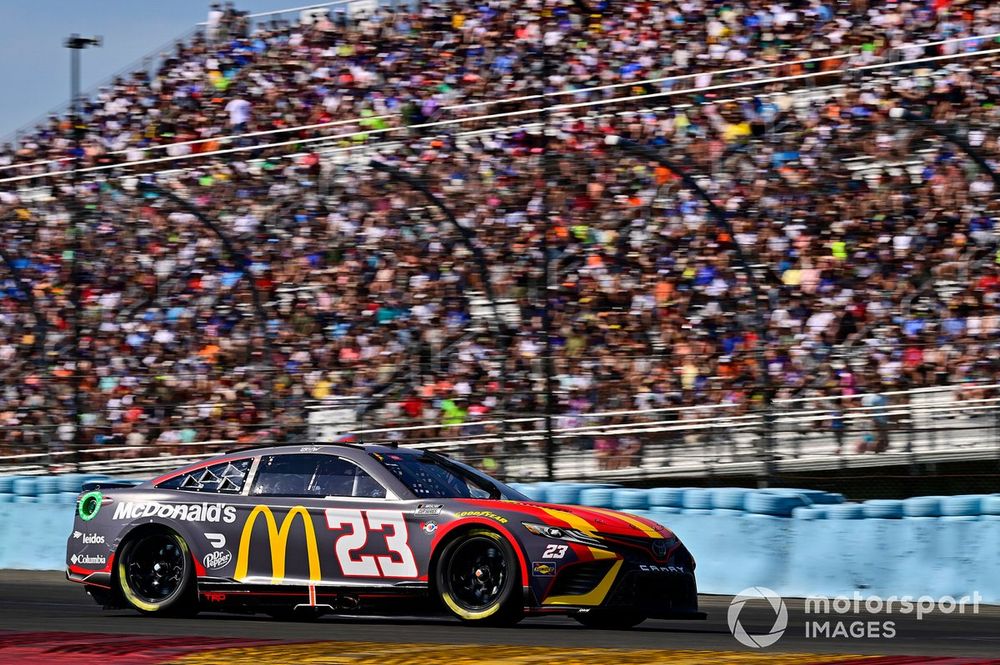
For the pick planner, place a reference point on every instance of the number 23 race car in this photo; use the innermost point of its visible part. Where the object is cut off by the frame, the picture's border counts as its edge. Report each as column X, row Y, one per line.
column 296, row 532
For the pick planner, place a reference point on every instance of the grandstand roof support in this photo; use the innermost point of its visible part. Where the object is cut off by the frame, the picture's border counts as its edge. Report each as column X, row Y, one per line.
column 242, row 262
column 469, row 240
column 24, row 286
column 722, row 220
column 953, row 138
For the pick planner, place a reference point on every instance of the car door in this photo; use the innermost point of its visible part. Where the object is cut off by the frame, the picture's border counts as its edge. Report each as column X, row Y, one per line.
column 372, row 530
column 320, row 519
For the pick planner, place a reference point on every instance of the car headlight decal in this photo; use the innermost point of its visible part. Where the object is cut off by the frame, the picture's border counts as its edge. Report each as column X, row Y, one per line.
column 563, row 533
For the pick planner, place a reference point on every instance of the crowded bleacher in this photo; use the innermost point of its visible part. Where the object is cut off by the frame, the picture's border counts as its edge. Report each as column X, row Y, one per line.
column 873, row 239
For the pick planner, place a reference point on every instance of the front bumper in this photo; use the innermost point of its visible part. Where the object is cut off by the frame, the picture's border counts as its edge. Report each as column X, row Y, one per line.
column 655, row 594
column 632, row 584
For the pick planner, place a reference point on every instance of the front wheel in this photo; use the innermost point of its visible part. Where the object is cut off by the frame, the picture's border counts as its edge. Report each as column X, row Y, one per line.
column 479, row 581
column 606, row 619
column 156, row 575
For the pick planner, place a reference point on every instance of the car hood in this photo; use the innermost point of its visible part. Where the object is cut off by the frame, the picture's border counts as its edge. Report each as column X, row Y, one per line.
column 584, row 518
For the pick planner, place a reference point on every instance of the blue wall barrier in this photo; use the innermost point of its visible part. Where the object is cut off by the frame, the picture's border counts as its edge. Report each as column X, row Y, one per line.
column 36, row 518
column 33, row 535
column 797, row 542
column 809, row 542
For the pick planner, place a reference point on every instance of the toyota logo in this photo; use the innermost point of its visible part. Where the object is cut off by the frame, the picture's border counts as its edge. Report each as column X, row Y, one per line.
column 780, row 617
column 659, row 548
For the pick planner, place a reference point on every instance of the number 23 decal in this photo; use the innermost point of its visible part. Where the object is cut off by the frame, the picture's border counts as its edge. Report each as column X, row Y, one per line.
column 398, row 563
column 555, row 551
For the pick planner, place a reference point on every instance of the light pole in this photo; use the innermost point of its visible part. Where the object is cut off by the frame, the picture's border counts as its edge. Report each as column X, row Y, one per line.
column 548, row 368
column 75, row 43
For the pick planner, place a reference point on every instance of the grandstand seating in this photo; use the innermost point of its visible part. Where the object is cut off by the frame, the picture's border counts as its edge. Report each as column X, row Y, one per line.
column 856, row 216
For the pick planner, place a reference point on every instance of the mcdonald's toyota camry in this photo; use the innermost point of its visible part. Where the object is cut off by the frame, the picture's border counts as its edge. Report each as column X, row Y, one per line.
column 296, row 532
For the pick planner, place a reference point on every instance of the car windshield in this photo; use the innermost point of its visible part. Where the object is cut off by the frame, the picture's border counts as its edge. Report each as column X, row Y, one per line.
column 432, row 476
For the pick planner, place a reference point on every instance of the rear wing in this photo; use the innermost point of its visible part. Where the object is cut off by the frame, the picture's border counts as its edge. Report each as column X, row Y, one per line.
column 110, row 483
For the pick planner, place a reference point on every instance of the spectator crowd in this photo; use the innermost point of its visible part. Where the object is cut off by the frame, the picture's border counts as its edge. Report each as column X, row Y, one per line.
column 871, row 233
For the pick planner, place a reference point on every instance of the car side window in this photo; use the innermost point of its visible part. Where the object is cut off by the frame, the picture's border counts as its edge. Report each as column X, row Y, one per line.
column 222, row 478
column 339, row 477
column 313, row 475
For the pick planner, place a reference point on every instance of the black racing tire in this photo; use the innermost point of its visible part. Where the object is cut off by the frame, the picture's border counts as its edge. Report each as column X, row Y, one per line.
column 478, row 579
column 609, row 619
column 155, row 573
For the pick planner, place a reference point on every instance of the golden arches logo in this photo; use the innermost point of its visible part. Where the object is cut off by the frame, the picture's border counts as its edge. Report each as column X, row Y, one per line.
column 278, row 541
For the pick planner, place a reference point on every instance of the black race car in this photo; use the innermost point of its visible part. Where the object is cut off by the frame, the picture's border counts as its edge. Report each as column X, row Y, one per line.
column 298, row 531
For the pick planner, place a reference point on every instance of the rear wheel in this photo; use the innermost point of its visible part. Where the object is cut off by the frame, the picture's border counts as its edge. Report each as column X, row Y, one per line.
column 607, row 619
column 156, row 575
column 478, row 579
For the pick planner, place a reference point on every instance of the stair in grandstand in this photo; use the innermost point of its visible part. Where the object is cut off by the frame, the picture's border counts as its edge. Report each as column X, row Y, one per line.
column 947, row 289
column 656, row 341
column 481, row 310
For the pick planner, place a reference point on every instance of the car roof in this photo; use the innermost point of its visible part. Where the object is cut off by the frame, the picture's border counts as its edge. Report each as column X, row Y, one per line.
column 328, row 448
column 352, row 452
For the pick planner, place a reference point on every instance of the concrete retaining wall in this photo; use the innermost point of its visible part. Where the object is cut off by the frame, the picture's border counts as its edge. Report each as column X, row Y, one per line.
column 33, row 536
column 933, row 556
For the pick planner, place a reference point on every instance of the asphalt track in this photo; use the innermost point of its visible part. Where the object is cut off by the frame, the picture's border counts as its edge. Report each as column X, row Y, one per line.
column 47, row 620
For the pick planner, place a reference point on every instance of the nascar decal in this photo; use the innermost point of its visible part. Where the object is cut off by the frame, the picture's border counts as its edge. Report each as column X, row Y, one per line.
column 278, row 542
column 543, row 568
column 89, row 559
column 216, row 540
column 400, row 562
column 217, row 559
column 89, row 538
column 198, row 512
column 649, row 568
column 482, row 513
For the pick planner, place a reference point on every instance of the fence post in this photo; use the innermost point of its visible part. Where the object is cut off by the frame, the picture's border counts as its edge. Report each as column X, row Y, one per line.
column 911, row 428
column 933, row 434
column 768, row 447
column 996, row 430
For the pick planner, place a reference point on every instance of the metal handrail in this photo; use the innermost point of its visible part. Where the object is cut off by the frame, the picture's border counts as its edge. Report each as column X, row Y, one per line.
column 569, row 106
column 678, row 456
column 333, row 152
column 924, row 409
column 291, row 10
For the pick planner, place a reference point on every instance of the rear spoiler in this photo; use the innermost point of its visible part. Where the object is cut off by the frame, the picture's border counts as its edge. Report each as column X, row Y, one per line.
column 110, row 483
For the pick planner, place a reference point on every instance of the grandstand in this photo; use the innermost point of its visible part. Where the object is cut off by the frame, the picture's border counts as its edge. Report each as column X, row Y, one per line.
column 874, row 238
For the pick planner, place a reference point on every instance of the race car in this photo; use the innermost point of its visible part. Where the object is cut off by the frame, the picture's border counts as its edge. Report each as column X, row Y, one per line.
column 296, row 532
